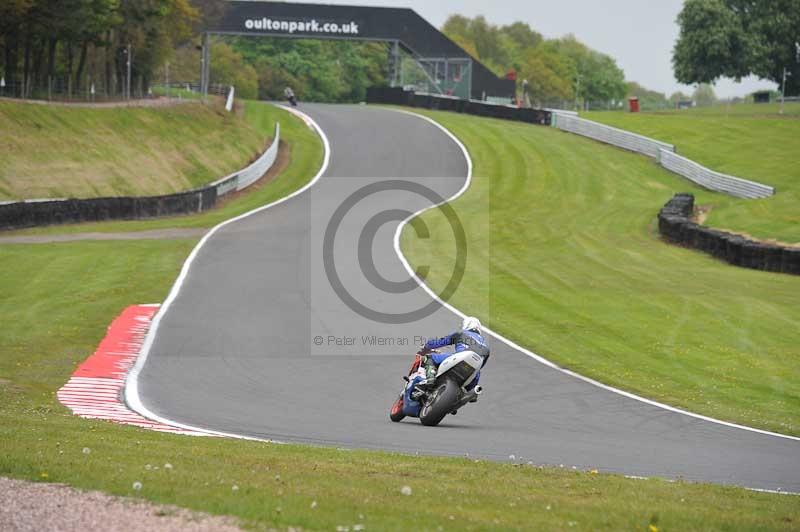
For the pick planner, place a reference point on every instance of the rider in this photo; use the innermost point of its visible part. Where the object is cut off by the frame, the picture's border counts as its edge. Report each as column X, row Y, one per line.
column 469, row 338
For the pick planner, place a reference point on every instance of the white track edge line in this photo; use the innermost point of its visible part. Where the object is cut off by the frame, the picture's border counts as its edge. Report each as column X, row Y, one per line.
column 514, row 345
column 131, row 395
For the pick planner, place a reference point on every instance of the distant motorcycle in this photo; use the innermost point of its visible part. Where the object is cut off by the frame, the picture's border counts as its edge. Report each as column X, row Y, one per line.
column 431, row 402
column 289, row 93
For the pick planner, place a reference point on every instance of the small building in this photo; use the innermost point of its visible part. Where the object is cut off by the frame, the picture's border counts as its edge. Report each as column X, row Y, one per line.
column 761, row 97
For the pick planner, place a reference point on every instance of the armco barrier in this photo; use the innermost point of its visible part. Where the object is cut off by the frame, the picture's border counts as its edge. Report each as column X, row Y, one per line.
column 675, row 226
column 610, row 135
column 19, row 215
column 246, row 177
column 735, row 186
column 569, row 121
column 665, row 155
column 399, row 96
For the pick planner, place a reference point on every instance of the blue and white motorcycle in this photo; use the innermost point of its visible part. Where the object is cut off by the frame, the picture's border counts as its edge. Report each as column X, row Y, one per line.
column 450, row 391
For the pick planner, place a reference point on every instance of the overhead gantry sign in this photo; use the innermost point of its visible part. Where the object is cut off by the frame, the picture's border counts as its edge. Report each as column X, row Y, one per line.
column 450, row 69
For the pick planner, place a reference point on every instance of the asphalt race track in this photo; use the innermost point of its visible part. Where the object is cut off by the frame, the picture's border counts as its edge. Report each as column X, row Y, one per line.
column 236, row 352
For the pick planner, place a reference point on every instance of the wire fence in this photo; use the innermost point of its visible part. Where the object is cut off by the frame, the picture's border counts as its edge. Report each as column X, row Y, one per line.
column 66, row 90
column 654, row 106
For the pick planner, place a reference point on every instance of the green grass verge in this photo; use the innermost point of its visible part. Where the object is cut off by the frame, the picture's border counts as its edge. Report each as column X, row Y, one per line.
column 57, row 151
column 566, row 260
column 58, row 300
column 748, row 141
column 305, row 152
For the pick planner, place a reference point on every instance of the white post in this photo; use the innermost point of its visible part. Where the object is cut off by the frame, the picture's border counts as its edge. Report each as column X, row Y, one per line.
column 205, row 71
column 783, row 91
column 3, row 86
column 229, row 103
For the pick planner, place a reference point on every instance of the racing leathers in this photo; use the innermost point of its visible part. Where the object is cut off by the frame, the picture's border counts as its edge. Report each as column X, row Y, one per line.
column 462, row 341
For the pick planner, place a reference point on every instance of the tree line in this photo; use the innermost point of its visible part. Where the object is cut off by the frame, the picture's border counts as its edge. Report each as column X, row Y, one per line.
column 78, row 42
column 316, row 70
column 556, row 69
column 83, row 42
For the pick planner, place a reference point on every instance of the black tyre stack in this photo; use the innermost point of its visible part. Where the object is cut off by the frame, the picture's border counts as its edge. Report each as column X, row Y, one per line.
column 676, row 226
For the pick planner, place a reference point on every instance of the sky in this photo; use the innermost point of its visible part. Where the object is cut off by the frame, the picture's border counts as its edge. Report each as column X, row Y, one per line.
column 639, row 34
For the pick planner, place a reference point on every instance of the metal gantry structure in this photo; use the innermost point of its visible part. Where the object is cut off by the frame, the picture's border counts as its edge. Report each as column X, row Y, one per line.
column 420, row 56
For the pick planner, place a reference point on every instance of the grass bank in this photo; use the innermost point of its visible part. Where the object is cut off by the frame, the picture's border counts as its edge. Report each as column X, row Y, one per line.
column 58, row 300
column 576, row 271
column 60, row 151
column 749, row 141
column 305, row 153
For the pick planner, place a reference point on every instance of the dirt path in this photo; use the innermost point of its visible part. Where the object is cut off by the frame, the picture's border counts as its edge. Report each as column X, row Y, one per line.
column 29, row 506
column 157, row 234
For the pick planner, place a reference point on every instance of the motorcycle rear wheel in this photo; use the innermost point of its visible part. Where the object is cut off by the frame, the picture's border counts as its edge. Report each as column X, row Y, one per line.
column 444, row 398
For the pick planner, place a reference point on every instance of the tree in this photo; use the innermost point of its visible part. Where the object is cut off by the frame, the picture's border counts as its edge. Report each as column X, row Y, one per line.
column 72, row 40
column 552, row 67
column 704, row 95
column 677, row 97
column 330, row 71
column 777, row 24
column 549, row 76
column 518, row 39
column 229, row 68
column 736, row 38
column 596, row 76
column 153, row 28
column 484, row 41
column 12, row 15
column 647, row 98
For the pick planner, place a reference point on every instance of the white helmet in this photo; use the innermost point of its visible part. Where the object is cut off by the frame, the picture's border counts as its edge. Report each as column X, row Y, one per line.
column 471, row 324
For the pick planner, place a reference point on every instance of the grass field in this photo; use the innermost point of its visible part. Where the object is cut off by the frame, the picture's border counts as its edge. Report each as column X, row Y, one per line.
column 749, row 141
column 58, row 299
column 51, row 325
column 57, row 151
column 576, row 272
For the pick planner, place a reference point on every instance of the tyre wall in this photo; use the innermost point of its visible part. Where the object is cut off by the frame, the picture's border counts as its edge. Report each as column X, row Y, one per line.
column 675, row 226
column 399, row 96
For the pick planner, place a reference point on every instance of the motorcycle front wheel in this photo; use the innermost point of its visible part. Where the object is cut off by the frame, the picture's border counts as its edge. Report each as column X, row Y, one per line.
column 396, row 414
column 441, row 403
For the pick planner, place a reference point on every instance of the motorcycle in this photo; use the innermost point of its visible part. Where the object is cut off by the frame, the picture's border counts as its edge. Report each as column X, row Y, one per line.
column 446, row 395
